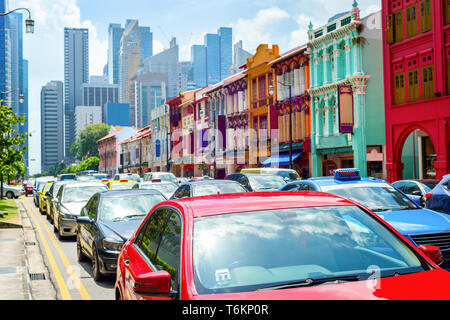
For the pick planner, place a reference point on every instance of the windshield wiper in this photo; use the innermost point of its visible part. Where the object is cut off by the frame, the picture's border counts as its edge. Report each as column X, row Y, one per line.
column 131, row 216
column 380, row 209
column 313, row 282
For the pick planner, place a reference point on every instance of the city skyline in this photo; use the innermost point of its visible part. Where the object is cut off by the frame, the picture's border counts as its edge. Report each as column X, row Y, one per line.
column 254, row 22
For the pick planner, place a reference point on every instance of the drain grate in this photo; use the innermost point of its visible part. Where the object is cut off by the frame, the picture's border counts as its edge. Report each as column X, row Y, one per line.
column 37, row 276
column 30, row 243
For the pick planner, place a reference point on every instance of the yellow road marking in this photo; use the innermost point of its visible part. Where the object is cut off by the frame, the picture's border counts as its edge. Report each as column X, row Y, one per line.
column 77, row 282
column 59, row 279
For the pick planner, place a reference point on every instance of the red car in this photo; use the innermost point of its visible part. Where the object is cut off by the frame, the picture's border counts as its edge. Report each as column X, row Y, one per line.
column 274, row 245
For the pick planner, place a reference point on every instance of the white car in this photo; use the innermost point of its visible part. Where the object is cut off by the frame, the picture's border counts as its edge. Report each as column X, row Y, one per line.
column 12, row 191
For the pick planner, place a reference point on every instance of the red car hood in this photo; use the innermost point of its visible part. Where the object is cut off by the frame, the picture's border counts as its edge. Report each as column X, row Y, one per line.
column 428, row 285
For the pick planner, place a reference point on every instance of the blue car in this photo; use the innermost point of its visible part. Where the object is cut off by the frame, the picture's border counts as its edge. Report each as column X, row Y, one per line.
column 438, row 199
column 419, row 225
column 39, row 187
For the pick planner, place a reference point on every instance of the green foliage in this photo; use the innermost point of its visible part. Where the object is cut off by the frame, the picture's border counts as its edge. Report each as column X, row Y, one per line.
column 60, row 168
column 86, row 145
column 11, row 143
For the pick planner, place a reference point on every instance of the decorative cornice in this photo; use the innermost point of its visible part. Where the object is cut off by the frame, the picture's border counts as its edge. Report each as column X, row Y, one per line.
column 355, row 80
column 338, row 33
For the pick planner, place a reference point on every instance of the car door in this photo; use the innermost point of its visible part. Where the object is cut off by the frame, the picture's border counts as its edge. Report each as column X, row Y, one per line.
column 141, row 255
column 82, row 228
column 412, row 189
column 57, row 211
column 91, row 230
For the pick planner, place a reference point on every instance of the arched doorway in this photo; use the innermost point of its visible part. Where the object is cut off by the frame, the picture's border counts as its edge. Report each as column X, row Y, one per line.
column 418, row 155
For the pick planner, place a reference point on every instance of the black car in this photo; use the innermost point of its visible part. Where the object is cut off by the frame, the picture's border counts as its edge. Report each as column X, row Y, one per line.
column 416, row 189
column 107, row 221
column 197, row 188
column 258, row 182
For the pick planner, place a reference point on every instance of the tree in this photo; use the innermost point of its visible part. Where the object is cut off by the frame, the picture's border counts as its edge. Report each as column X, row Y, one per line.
column 86, row 145
column 11, row 143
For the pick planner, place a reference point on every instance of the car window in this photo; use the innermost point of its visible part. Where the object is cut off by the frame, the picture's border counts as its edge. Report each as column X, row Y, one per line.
column 81, row 193
column 411, row 188
column 92, row 208
column 262, row 182
column 60, row 192
column 168, row 253
column 308, row 187
column 182, row 192
column 217, row 188
column 399, row 185
column 292, row 187
column 148, row 237
column 240, row 252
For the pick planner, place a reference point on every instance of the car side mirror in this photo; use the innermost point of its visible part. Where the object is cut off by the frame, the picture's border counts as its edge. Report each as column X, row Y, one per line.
column 416, row 193
column 432, row 252
column 47, row 194
column 84, row 220
column 158, row 282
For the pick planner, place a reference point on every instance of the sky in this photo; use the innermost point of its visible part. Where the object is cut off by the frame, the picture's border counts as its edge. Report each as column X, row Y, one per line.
column 282, row 22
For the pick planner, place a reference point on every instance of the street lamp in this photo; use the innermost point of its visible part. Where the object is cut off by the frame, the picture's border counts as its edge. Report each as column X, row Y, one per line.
column 29, row 23
column 271, row 92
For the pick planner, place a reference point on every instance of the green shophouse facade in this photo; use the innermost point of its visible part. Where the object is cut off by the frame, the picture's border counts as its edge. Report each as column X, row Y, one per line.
column 347, row 129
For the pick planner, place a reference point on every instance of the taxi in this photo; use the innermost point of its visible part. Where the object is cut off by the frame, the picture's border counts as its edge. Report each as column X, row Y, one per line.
column 43, row 197
column 122, row 184
column 419, row 225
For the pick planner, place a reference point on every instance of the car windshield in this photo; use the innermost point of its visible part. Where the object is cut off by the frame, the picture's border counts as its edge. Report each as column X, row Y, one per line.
column 161, row 187
column 377, row 197
column 251, row 251
column 68, row 177
column 128, row 207
column 100, row 176
column 426, row 188
column 56, row 189
column 134, row 177
column 41, row 186
column 81, row 193
column 122, row 185
column 165, row 177
column 289, row 175
column 216, row 188
column 261, row 182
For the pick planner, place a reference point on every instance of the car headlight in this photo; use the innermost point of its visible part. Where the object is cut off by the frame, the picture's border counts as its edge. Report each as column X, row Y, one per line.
column 112, row 244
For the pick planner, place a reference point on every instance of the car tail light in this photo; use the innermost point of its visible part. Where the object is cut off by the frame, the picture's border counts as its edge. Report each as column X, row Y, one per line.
column 123, row 180
column 156, row 180
column 428, row 195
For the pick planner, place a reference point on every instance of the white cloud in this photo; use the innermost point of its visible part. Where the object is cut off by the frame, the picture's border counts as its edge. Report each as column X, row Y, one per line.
column 45, row 51
column 259, row 29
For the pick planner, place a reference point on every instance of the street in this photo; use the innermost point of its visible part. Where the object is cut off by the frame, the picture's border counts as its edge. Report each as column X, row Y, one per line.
column 72, row 279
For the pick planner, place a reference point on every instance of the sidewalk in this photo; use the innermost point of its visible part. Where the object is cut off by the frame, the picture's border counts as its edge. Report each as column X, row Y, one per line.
column 23, row 274
column 14, row 283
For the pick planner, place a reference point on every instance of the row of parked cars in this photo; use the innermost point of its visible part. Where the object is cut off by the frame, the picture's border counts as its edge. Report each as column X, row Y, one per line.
column 253, row 235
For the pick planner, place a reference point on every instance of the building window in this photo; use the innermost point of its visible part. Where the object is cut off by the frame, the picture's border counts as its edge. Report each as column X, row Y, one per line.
column 413, row 85
column 447, row 11
column 411, row 21
column 399, row 88
column 398, row 26
column 427, row 82
column 426, row 21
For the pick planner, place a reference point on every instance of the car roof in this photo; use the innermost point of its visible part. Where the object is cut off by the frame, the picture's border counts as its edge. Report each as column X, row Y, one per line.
column 209, row 181
column 116, row 193
column 328, row 181
column 258, row 201
column 85, row 183
column 253, row 174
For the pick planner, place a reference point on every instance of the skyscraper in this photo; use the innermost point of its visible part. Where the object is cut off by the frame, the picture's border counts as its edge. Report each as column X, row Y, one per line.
column 76, row 72
column 198, row 58
column 146, row 42
column 2, row 47
column 226, row 51
column 212, row 43
column 240, row 55
column 115, row 32
column 98, row 92
column 129, row 61
column 52, row 125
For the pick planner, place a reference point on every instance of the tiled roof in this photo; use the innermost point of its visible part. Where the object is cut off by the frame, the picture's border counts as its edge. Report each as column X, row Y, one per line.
column 112, row 134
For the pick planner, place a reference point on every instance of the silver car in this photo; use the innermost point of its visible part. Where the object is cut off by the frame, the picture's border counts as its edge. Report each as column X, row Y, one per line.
column 69, row 201
column 12, row 191
column 166, row 188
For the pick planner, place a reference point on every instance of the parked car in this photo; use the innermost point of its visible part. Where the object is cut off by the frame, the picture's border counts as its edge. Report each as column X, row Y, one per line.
column 51, row 196
column 199, row 188
column 86, row 178
column 274, row 245
column 419, row 225
column 70, row 199
column 287, row 174
column 182, row 180
column 415, row 189
column 37, row 195
column 107, row 221
column 163, row 176
column 28, row 187
column 11, row 192
column 123, row 184
column 67, row 176
column 438, row 199
column 166, row 188
column 127, row 176
column 43, row 198
column 100, row 176
column 35, row 187
column 258, row 182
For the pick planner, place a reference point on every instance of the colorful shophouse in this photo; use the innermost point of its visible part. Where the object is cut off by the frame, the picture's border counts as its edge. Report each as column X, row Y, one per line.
column 345, row 121
column 416, row 59
column 292, row 76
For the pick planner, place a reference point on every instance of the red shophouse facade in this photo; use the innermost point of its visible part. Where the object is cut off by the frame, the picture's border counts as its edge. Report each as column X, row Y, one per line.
column 416, row 58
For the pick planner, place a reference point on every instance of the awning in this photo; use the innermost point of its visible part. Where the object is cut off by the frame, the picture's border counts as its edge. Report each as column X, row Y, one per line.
column 282, row 159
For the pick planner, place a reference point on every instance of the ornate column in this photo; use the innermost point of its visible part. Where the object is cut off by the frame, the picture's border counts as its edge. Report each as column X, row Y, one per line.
column 337, row 63
column 326, row 66
column 348, row 65
column 315, row 70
